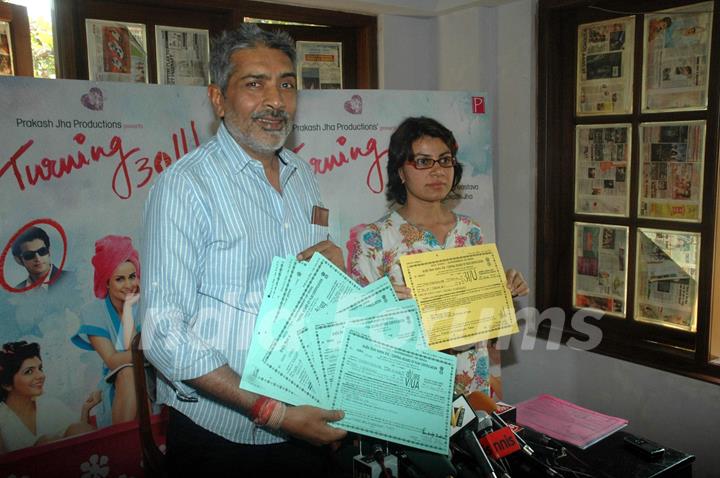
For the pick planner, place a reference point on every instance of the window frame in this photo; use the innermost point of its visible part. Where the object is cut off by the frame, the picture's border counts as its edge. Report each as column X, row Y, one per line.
column 214, row 16
column 676, row 351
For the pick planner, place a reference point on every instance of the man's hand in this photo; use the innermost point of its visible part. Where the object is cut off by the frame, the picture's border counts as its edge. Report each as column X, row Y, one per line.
column 516, row 283
column 311, row 424
column 328, row 249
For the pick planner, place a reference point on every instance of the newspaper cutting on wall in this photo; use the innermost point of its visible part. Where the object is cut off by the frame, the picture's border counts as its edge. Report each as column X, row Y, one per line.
column 6, row 58
column 602, row 169
column 116, row 51
column 600, row 268
column 677, row 58
column 605, row 67
column 182, row 56
column 667, row 274
column 671, row 170
column 319, row 65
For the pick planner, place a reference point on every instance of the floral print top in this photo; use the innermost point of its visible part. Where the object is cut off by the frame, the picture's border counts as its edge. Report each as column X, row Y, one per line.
column 374, row 251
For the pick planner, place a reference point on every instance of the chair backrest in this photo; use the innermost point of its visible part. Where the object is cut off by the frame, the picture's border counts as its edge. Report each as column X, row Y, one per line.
column 153, row 458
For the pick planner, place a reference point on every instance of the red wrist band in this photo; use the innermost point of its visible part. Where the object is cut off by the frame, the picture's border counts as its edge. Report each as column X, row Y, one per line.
column 255, row 409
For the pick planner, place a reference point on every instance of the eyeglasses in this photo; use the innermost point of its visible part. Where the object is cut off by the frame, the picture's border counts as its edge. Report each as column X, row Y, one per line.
column 30, row 255
column 426, row 162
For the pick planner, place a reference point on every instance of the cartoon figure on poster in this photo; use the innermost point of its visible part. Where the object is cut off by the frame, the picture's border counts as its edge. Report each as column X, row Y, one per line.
column 109, row 325
column 27, row 416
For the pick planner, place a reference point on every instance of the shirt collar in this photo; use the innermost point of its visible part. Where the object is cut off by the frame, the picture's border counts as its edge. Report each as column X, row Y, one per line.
column 46, row 281
column 238, row 159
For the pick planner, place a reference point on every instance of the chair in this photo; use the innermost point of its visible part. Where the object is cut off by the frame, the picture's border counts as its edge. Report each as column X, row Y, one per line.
column 153, row 458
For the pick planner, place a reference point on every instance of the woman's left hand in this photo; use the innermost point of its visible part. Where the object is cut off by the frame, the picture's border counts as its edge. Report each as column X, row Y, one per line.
column 516, row 283
column 93, row 399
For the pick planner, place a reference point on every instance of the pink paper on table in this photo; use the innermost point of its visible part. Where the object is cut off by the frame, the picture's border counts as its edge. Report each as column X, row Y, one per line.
column 566, row 421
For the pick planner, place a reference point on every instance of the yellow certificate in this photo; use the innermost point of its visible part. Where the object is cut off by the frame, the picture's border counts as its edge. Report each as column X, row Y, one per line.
column 462, row 294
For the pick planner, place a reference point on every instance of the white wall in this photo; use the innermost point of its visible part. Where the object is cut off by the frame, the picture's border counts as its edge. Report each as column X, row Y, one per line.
column 493, row 49
column 407, row 52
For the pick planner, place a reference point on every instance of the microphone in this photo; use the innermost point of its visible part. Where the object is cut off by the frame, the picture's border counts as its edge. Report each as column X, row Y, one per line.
column 478, row 452
column 463, row 433
column 480, row 401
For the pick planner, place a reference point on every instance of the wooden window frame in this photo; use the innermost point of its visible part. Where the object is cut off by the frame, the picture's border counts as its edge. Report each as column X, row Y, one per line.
column 659, row 347
column 17, row 17
column 213, row 15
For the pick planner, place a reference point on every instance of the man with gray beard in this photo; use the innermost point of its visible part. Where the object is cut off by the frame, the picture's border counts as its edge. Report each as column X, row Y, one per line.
column 213, row 223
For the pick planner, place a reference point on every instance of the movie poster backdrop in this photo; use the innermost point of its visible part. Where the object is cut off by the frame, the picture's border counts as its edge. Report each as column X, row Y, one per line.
column 77, row 159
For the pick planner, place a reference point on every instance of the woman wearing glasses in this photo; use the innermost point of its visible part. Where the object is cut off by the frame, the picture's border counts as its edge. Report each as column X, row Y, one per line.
column 422, row 171
column 27, row 416
column 108, row 325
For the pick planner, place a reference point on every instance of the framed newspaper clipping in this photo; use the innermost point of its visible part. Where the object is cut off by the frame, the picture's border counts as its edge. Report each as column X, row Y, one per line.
column 605, row 67
column 182, row 56
column 600, row 268
column 602, row 169
column 676, row 58
column 671, row 170
column 319, row 65
column 667, row 269
column 116, row 51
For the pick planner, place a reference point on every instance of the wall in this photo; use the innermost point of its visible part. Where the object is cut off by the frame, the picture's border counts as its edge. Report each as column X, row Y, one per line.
column 493, row 49
column 407, row 52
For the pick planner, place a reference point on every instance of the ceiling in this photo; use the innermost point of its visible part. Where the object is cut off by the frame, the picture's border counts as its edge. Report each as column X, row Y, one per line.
column 394, row 7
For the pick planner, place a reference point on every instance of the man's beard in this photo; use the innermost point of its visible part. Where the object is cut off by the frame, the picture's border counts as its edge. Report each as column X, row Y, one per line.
column 253, row 141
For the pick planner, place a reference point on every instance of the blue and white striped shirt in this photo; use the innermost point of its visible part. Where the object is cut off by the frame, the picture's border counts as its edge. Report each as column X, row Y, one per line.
column 213, row 223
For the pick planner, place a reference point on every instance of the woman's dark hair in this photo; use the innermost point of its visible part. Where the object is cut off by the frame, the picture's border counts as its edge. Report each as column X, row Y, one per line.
column 12, row 356
column 401, row 141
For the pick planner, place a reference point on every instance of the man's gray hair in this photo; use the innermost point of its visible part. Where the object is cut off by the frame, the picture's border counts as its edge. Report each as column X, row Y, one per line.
column 248, row 35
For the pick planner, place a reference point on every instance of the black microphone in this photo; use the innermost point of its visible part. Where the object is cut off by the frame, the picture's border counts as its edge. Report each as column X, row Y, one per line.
column 476, row 450
column 462, row 432
column 480, row 401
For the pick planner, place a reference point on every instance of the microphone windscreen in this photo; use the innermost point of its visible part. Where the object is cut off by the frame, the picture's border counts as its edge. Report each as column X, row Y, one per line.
column 480, row 401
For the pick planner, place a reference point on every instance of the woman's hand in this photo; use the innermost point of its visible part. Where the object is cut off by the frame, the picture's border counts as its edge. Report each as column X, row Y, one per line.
column 516, row 283
column 93, row 399
column 130, row 300
column 402, row 292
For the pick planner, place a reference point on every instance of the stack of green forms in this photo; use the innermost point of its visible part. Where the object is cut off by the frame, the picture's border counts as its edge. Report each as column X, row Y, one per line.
column 321, row 339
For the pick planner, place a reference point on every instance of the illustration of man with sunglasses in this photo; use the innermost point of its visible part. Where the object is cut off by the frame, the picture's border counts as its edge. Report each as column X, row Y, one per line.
column 32, row 251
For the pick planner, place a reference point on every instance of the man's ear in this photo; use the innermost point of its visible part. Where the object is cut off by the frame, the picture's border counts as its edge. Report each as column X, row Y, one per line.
column 217, row 99
column 18, row 260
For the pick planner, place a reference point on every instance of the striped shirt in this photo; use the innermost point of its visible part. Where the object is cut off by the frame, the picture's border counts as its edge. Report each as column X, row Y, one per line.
column 213, row 223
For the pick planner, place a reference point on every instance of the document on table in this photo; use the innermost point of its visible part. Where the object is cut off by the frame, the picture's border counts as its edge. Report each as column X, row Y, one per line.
column 462, row 294
column 566, row 421
column 396, row 393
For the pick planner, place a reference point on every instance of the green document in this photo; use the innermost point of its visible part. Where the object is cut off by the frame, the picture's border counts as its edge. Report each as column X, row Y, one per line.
column 400, row 394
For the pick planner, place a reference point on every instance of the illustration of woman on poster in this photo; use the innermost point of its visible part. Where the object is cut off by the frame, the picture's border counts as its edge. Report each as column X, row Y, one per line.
column 109, row 325
column 27, row 416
